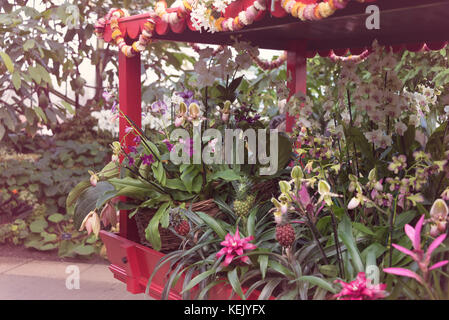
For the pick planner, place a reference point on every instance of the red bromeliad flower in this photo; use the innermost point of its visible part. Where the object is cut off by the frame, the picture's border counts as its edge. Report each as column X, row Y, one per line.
column 417, row 254
column 361, row 289
column 234, row 246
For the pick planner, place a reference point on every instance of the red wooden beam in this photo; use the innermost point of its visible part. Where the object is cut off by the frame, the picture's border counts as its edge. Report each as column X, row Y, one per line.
column 297, row 70
column 131, row 105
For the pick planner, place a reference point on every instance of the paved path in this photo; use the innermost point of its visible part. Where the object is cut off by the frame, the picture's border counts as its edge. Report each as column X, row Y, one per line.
column 28, row 279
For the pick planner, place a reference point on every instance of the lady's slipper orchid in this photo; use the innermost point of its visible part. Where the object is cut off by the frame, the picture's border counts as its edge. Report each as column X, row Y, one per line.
column 91, row 223
column 235, row 246
column 438, row 217
column 361, row 289
column 108, row 215
column 417, row 254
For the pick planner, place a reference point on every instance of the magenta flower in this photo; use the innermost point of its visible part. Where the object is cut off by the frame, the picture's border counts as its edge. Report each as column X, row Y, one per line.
column 417, row 254
column 234, row 246
column 361, row 289
column 168, row 144
column 147, row 159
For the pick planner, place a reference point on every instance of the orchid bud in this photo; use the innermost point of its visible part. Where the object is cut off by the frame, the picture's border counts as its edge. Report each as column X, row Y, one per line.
column 372, row 175
column 93, row 178
column 297, row 173
column 354, row 203
column 285, row 187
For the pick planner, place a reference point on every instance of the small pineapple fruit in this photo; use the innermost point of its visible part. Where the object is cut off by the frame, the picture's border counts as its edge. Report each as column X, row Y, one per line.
column 244, row 201
column 285, row 234
column 181, row 226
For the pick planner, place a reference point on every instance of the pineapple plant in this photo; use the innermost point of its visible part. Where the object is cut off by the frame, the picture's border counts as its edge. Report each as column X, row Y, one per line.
column 179, row 224
column 244, row 199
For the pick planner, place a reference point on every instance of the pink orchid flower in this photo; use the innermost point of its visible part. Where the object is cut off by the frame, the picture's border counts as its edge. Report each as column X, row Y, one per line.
column 417, row 254
column 234, row 246
column 361, row 289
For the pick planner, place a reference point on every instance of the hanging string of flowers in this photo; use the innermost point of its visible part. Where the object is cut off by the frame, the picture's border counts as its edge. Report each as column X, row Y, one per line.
column 351, row 58
column 208, row 15
column 269, row 65
column 314, row 11
column 197, row 49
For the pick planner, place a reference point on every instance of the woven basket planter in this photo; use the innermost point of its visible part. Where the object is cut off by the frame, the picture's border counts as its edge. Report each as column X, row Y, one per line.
column 170, row 241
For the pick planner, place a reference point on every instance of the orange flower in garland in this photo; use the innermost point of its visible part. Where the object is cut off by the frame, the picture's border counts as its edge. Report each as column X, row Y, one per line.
column 314, row 11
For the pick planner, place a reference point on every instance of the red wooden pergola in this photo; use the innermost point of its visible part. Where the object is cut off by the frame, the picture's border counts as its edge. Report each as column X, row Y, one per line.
column 414, row 25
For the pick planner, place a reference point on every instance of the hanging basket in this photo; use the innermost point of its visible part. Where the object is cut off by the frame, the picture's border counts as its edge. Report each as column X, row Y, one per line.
column 169, row 240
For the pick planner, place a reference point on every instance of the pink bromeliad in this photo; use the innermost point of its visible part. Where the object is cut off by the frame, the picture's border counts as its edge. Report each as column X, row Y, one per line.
column 422, row 258
column 361, row 289
column 234, row 246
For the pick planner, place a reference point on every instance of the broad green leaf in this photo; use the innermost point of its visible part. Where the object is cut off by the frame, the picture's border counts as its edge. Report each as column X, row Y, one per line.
column 40, row 113
column 39, row 225
column 7, row 61
column 235, row 283
column 345, row 234
column 152, row 230
column 318, row 282
column 227, row 175
column 198, row 279
column 211, row 222
column 16, row 80
column 56, row 217
column 29, row 44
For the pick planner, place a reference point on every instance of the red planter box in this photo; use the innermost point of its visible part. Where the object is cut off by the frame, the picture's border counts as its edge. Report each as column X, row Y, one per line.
column 133, row 264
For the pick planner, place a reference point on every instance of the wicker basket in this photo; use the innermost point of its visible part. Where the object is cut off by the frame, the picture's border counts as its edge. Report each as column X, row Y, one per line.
column 170, row 241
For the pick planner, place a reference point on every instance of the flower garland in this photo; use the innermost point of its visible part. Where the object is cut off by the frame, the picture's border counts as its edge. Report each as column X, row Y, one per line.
column 197, row 49
column 128, row 50
column 313, row 11
column 202, row 17
column 268, row 65
column 351, row 58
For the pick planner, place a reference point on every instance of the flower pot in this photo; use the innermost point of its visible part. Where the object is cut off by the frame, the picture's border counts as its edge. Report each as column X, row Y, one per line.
column 133, row 264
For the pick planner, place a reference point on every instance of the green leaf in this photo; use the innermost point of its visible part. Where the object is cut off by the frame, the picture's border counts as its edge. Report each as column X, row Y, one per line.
column 318, row 282
column 235, row 283
column 40, row 113
column 76, row 192
column 84, row 250
column 362, row 228
column 7, row 61
column 87, row 201
column 251, row 224
column 211, row 222
column 16, row 80
column 226, row 175
column 345, row 234
column 39, row 225
column 281, row 269
column 152, row 230
column 29, row 44
column 56, row 217
column 68, row 107
column 263, row 264
column 198, row 279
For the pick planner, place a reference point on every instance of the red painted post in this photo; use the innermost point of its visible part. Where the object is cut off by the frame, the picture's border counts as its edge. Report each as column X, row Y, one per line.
column 130, row 101
column 297, row 70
